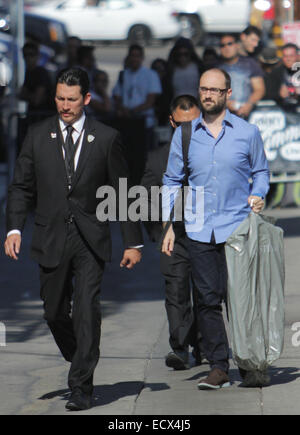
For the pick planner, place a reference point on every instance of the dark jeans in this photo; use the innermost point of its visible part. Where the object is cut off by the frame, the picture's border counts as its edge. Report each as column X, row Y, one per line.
column 209, row 272
column 178, row 284
column 77, row 336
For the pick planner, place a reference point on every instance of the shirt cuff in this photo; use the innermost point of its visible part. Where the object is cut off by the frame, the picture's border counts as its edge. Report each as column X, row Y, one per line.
column 136, row 247
column 258, row 194
column 13, row 232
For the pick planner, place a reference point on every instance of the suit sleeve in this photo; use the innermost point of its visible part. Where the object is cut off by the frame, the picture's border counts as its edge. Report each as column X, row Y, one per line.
column 117, row 169
column 22, row 191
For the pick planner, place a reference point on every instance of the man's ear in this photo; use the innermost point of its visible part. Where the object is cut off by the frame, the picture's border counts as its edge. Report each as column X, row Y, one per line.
column 87, row 99
column 171, row 121
column 229, row 93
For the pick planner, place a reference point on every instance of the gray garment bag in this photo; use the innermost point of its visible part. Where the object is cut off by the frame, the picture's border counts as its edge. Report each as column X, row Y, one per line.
column 255, row 260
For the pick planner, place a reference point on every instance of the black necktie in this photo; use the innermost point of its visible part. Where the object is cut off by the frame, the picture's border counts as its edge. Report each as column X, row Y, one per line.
column 69, row 149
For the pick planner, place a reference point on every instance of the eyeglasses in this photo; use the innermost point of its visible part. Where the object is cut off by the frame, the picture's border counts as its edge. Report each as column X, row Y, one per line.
column 213, row 91
column 226, row 43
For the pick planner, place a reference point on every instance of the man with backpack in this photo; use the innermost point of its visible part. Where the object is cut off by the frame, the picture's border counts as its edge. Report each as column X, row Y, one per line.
column 176, row 269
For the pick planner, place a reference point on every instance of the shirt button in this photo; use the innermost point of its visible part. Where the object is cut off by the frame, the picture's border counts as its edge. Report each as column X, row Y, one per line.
column 214, row 178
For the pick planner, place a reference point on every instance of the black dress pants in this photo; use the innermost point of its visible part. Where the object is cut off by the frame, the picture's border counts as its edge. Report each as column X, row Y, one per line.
column 75, row 326
column 178, row 301
column 209, row 272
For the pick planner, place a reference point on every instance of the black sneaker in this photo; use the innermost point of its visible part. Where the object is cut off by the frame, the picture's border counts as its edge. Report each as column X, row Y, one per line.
column 178, row 361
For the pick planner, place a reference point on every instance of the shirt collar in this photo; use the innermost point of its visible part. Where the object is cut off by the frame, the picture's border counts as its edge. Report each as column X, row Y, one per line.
column 228, row 120
column 77, row 125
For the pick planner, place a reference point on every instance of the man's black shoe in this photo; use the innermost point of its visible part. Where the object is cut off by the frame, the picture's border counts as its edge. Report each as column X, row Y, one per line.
column 79, row 401
column 178, row 361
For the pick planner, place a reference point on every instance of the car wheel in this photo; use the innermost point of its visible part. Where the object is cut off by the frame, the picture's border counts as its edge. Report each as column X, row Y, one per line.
column 139, row 34
column 191, row 28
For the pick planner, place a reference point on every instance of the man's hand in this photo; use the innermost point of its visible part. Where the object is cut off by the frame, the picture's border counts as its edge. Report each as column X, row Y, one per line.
column 131, row 257
column 12, row 246
column 256, row 203
column 168, row 242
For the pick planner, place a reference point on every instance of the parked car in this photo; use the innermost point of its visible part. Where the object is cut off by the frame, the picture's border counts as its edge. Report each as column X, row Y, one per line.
column 114, row 20
column 49, row 32
column 200, row 17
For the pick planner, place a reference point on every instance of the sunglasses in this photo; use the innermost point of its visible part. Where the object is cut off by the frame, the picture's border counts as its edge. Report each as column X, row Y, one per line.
column 226, row 44
column 177, row 123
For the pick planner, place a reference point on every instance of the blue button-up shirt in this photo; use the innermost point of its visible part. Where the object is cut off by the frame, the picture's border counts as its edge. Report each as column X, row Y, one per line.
column 225, row 170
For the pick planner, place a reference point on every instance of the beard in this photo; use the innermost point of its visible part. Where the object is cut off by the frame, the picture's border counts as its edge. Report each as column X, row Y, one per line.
column 214, row 108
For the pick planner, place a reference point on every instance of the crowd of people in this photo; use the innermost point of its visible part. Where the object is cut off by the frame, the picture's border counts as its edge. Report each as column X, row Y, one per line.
column 141, row 97
column 59, row 172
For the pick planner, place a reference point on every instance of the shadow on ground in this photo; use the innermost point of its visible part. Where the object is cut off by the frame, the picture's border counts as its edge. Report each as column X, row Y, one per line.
column 106, row 394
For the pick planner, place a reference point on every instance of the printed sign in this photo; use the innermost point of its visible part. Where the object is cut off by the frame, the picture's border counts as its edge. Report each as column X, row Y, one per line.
column 291, row 33
column 280, row 131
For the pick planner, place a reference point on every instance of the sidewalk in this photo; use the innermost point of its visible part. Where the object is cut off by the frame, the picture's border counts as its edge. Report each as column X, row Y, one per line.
column 131, row 378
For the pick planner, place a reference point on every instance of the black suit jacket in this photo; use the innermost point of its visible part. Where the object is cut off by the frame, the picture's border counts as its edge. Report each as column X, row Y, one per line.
column 40, row 180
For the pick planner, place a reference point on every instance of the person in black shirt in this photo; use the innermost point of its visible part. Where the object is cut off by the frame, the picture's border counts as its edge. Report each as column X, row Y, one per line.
column 37, row 83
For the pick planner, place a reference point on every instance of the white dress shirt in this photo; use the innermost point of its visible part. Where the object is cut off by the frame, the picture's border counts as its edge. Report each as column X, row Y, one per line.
column 77, row 132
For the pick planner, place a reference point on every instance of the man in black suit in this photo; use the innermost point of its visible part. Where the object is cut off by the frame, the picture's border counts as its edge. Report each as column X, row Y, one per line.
column 176, row 268
column 63, row 161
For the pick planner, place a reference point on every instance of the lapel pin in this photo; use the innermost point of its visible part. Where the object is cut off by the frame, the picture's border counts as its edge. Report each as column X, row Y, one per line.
column 53, row 135
column 90, row 138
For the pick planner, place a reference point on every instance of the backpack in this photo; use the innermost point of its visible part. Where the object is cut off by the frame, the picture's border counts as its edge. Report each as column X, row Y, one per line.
column 179, row 227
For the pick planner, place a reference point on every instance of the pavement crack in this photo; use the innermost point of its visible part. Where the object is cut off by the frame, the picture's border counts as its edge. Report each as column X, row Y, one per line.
column 147, row 365
column 261, row 401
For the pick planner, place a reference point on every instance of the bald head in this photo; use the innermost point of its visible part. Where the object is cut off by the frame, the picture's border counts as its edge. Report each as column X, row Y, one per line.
column 217, row 75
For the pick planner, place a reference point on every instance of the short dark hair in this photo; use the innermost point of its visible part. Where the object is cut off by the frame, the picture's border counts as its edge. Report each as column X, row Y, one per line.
column 290, row 45
column 74, row 77
column 225, row 74
column 229, row 35
column 227, row 78
column 252, row 29
column 184, row 102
